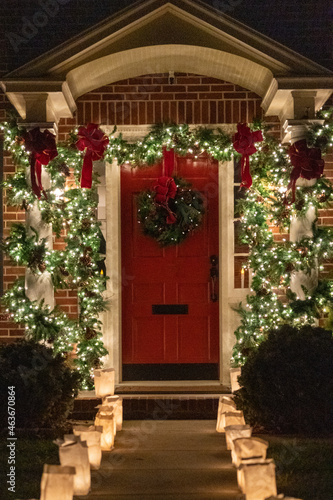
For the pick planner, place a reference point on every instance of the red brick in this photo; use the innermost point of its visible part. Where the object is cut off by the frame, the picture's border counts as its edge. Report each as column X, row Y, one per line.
column 189, row 112
column 4, row 332
column 208, row 79
column 157, row 112
column 228, row 115
column 66, row 301
column 220, row 112
column 204, row 112
column 210, row 95
column 87, row 112
column 197, row 112
column 125, row 88
column 162, row 96
column 188, row 79
column 16, row 333
column 234, row 95
column 138, row 97
column 198, row 88
column 250, row 111
column 173, row 111
column 12, row 217
column 90, row 97
column 222, row 88
column 111, row 112
column 235, row 112
column 160, row 80
column 143, row 113
column 95, row 113
column 135, row 114
column 14, row 270
column 9, row 279
column 113, row 97
column 259, row 110
column 186, row 96
column 173, row 88
column 165, row 111
column 127, row 113
column 181, row 112
column 103, row 113
column 79, row 113
column 146, row 89
column 243, row 111
column 212, row 112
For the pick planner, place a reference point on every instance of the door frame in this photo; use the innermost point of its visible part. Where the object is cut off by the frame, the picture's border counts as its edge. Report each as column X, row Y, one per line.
column 229, row 297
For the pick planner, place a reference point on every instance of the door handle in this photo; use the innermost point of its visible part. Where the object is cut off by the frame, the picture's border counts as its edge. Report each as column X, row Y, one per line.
column 214, row 274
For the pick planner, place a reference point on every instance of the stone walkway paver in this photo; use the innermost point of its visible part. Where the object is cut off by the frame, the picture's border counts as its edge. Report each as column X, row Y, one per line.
column 166, row 460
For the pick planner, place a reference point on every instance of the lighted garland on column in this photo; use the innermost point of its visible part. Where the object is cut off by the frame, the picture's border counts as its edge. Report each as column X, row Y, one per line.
column 272, row 303
column 74, row 210
column 75, row 267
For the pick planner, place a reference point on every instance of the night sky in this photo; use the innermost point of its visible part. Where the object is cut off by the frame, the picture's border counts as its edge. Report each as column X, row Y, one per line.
column 303, row 25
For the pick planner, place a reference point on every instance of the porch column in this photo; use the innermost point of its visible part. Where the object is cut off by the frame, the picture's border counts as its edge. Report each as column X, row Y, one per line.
column 112, row 317
column 39, row 287
column 301, row 227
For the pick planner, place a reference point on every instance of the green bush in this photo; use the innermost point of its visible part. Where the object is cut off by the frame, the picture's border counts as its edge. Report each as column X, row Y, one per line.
column 44, row 386
column 287, row 383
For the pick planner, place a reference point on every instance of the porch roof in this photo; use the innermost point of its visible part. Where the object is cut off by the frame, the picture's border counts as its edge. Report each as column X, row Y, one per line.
column 157, row 36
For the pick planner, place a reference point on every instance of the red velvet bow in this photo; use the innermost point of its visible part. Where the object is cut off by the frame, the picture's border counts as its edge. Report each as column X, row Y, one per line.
column 166, row 187
column 307, row 163
column 243, row 143
column 43, row 149
column 94, row 141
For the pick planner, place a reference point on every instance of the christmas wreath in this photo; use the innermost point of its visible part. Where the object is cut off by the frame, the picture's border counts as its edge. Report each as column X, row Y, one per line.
column 170, row 212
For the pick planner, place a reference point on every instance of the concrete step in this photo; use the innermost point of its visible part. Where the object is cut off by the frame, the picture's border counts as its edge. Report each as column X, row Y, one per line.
column 183, row 403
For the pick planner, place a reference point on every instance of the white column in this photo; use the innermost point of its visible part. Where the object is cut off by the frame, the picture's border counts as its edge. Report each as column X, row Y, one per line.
column 112, row 317
column 301, row 227
column 40, row 287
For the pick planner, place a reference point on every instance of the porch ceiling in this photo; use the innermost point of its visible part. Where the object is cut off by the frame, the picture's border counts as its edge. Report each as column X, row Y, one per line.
column 156, row 36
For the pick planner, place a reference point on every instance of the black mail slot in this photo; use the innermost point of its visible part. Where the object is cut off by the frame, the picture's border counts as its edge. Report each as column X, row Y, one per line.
column 169, row 308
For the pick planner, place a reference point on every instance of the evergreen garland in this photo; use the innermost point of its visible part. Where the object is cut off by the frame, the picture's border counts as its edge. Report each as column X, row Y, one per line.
column 73, row 215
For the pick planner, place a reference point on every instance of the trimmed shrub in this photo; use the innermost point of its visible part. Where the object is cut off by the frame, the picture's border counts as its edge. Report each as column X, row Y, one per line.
column 44, row 385
column 287, row 383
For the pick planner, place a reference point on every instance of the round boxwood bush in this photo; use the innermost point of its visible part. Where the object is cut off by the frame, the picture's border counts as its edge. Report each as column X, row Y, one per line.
column 287, row 383
column 43, row 384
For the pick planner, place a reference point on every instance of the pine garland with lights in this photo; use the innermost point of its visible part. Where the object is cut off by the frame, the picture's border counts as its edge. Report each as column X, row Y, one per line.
column 187, row 208
column 270, row 302
column 75, row 267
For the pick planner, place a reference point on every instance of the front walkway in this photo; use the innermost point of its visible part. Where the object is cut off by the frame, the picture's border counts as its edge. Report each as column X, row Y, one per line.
column 166, row 460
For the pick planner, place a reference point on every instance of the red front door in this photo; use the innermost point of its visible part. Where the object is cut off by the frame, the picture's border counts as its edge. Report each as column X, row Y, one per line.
column 169, row 346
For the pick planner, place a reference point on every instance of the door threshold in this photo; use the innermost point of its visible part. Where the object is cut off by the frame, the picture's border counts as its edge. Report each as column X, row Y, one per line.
column 172, row 387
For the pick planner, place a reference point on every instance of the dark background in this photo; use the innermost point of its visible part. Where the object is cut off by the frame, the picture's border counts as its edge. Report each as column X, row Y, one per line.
column 303, row 25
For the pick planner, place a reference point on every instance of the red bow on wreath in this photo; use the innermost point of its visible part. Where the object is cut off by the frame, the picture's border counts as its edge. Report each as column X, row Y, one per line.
column 166, row 187
column 307, row 163
column 94, row 141
column 243, row 143
column 43, row 149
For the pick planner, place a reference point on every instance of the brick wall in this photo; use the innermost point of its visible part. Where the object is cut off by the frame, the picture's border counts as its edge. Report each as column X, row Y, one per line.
column 192, row 99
